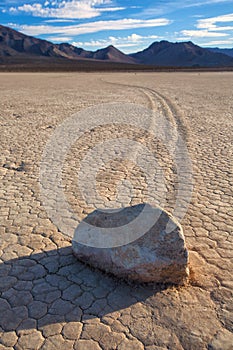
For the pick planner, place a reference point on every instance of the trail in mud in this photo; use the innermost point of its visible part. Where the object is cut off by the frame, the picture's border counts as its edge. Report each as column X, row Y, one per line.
column 171, row 130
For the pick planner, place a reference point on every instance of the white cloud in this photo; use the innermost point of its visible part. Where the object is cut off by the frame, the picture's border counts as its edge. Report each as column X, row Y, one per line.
column 160, row 8
column 93, row 27
column 201, row 34
column 197, row 16
column 59, row 39
column 210, row 23
column 204, row 2
column 57, row 20
column 67, row 9
column 208, row 28
column 218, row 42
column 128, row 41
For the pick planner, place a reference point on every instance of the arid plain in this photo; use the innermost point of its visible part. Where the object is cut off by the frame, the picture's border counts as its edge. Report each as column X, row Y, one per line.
column 48, row 299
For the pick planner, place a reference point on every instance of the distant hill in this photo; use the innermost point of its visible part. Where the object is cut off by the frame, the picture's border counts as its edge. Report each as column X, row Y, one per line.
column 13, row 43
column 184, row 54
column 18, row 47
column 73, row 52
column 109, row 53
column 228, row 52
column 112, row 54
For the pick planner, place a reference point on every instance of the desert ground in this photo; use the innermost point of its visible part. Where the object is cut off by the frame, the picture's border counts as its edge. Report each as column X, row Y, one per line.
column 48, row 299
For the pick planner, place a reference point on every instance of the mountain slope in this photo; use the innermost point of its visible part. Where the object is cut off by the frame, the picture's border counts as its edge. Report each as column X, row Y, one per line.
column 109, row 53
column 13, row 43
column 16, row 45
column 74, row 52
column 185, row 54
column 112, row 54
column 228, row 52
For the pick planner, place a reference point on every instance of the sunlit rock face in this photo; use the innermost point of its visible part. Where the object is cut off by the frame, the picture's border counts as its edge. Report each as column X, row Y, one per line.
column 139, row 243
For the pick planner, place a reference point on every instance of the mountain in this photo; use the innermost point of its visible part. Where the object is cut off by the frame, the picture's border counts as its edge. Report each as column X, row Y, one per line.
column 228, row 52
column 112, row 54
column 18, row 47
column 109, row 53
column 13, row 43
column 183, row 54
column 73, row 52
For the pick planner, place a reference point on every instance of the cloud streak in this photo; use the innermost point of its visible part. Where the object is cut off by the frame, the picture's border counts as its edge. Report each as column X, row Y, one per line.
column 218, row 42
column 168, row 6
column 212, row 27
column 59, row 39
column 211, row 23
column 202, row 34
column 93, row 27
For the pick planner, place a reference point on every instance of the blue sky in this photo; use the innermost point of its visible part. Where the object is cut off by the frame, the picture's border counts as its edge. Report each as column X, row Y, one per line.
column 128, row 25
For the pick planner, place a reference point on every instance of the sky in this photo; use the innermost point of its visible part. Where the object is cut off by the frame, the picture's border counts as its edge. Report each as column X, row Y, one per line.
column 128, row 25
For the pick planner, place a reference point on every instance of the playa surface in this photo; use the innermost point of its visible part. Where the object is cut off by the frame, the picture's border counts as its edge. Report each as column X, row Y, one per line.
column 48, row 299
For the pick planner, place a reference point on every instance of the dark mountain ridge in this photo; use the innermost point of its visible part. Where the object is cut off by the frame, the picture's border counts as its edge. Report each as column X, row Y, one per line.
column 13, row 43
column 16, row 45
column 181, row 54
column 228, row 52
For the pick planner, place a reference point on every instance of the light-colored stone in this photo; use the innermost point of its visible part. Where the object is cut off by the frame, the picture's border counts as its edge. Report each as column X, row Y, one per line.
column 56, row 342
column 95, row 331
column 51, row 329
column 8, row 339
column 86, row 344
column 159, row 255
column 111, row 340
column 222, row 340
column 72, row 330
column 128, row 344
column 32, row 341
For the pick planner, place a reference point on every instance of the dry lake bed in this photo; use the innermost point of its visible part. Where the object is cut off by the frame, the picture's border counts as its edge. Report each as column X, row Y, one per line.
column 49, row 300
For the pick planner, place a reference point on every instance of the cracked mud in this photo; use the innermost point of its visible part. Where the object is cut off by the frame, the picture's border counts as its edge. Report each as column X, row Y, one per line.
column 49, row 300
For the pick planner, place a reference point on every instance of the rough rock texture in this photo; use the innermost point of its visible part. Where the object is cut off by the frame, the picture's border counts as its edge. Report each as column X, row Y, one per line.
column 157, row 256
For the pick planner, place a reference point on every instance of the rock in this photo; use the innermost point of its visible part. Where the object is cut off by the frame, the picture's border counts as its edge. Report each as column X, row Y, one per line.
column 158, row 255
column 86, row 344
column 33, row 340
column 8, row 339
column 13, row 318
column 128, row 344
column 222, row 340
column 72, row 330
column 37, row 309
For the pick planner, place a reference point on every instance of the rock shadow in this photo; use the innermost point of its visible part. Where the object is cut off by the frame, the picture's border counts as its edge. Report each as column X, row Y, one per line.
column 53, row 286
